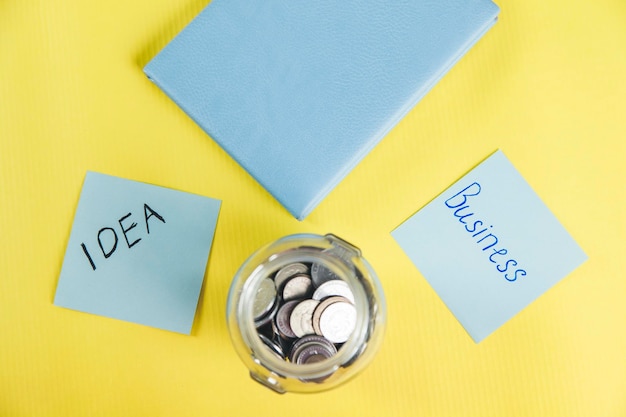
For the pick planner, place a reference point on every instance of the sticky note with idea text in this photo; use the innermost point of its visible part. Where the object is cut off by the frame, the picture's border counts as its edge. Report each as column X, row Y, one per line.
column 137, row 252
column 488, row 246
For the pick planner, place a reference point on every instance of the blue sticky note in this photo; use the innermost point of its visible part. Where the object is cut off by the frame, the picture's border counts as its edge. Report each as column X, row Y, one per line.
column 137, row 252
column 488, row 246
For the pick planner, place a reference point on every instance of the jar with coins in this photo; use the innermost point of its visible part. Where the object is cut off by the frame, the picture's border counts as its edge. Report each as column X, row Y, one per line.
column 306, row 313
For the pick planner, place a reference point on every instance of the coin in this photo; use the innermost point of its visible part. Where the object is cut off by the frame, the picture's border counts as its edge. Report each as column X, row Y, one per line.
column 313, row 353
column 332, row 288
column 301, row 317
column 297, row 287
column 320, row 274
column 312, row 349
column 274, row 347
column 264, row 299
column 288, row 272
column 282, row 319
column 320, row 309
column 307, row 341
column 267, row 318
column 337, row 322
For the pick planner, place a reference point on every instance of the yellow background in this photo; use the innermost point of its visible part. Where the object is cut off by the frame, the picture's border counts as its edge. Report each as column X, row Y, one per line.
column 547, row 85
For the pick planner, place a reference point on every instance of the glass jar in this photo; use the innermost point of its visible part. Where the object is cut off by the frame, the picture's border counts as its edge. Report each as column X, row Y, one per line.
column 292, row 321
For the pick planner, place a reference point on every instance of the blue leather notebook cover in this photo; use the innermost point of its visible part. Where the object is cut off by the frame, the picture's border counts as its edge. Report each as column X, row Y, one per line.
column 298, row 92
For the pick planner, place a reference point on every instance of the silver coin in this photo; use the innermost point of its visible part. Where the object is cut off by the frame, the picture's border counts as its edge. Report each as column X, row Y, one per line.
column 301, row 320
column 274, row 347
column 267, row 318
column 313, row 353
column 289, row 271
column 264, row 299
column 337, row 322
column 320, row 309
column 299, row 286
column 282, row 319
column 320, row 274
column 333, row 288
column 309, row 340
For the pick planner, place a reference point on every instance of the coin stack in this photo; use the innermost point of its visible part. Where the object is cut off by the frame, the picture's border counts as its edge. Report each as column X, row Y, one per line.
column 304, row 312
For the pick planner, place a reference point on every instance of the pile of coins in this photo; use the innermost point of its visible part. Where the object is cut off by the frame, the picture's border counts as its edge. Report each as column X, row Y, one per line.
column 304, row 312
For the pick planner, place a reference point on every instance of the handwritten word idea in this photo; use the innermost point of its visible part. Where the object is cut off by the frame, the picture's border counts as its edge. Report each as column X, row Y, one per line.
column 485, row 240
column 108, row 239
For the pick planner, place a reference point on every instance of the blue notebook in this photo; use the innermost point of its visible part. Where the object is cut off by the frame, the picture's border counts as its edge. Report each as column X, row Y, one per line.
column 298, row 92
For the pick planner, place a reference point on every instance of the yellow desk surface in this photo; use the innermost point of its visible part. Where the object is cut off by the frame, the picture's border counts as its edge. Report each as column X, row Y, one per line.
column 547, row 85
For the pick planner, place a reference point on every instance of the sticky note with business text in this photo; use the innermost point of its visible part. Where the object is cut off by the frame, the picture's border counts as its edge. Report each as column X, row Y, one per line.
column 488, row 246
column 137, row 252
